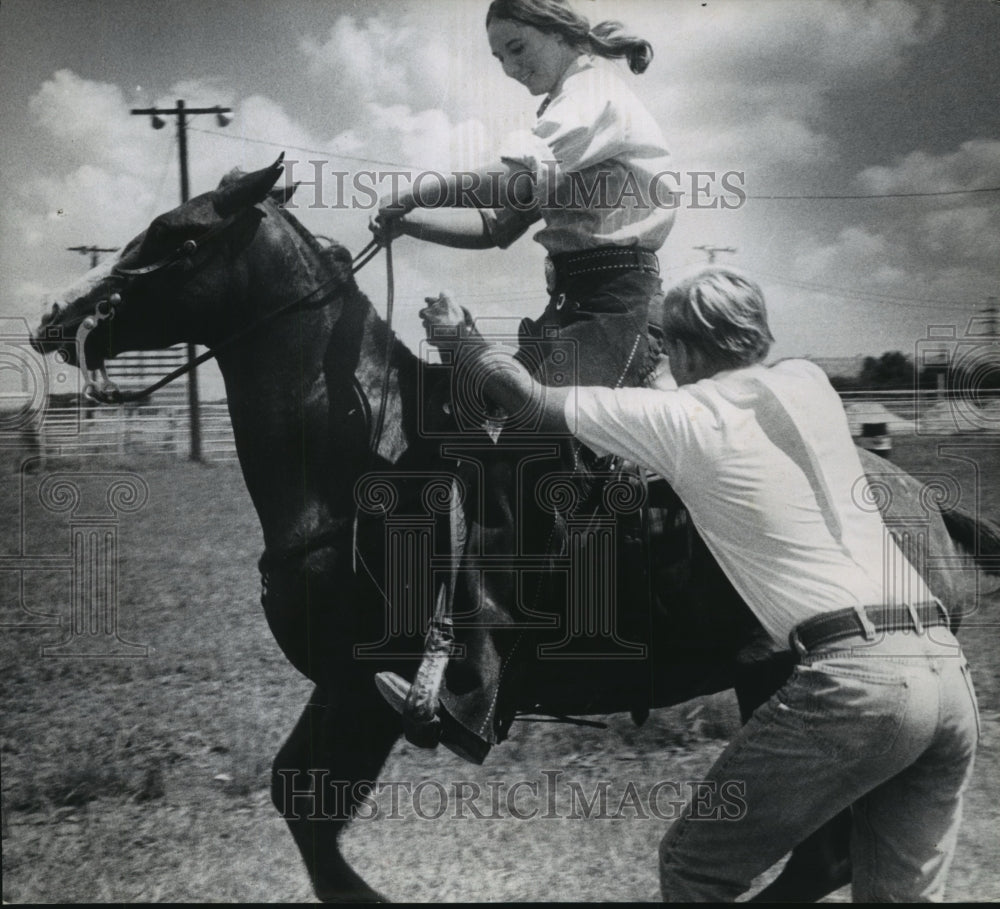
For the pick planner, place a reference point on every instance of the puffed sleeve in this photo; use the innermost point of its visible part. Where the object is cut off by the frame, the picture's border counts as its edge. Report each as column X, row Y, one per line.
column 505, row 225
column 586, row 124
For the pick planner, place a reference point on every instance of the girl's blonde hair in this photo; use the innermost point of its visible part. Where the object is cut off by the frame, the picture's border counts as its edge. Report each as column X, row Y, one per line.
column 606, row 39
column 721, row 314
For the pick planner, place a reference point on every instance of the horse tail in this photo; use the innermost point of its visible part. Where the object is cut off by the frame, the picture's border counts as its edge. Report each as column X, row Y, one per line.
column 979, row 537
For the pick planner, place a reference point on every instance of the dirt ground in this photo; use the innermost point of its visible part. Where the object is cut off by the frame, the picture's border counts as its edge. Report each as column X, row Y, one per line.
column 141, row 779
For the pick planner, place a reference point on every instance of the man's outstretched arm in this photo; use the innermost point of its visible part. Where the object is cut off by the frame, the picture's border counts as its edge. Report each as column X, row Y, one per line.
column 504, row 380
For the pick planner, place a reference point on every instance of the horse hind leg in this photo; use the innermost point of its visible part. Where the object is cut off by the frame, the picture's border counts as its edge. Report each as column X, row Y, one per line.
column 318, row 778
column 821, row 863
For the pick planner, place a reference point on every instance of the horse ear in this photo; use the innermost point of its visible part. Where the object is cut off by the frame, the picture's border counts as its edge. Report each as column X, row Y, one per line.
column 281, row 194
column 234, row 195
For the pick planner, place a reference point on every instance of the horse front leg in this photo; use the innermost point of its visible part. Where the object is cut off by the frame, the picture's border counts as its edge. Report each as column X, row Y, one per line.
column 320, row 775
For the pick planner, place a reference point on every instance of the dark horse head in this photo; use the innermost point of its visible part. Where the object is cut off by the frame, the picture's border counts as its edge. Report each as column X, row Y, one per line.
column 305, row 358
column 179, row 280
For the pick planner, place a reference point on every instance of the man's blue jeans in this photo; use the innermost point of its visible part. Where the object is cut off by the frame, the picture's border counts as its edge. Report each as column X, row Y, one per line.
column 889, row 728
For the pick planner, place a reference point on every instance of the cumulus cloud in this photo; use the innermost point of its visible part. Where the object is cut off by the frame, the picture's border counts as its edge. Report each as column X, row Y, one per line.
column 857, row 245
column 750, row 82
column 974, row 165
column 112, row 173
column 948, row 230
column 375, row 59
column 759, row 146
column 90, row 121
column 971, row 233
column 425, row 139
column 794, row 43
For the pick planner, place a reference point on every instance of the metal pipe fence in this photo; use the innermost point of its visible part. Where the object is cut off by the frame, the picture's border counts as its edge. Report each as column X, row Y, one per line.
column 164, row 428
column 134, row 429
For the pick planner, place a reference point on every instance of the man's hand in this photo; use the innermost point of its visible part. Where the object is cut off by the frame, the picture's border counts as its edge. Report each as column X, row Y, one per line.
column 497, row 372
column 446, row 323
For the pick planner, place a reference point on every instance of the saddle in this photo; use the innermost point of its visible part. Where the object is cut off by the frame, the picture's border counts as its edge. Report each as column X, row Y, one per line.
column 629, row 534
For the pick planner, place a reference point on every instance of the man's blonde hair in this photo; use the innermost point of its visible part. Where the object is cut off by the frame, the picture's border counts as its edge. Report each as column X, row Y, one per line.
column 721, row 313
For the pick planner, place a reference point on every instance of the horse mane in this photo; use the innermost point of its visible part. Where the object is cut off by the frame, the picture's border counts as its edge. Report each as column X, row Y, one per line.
column 336, row 257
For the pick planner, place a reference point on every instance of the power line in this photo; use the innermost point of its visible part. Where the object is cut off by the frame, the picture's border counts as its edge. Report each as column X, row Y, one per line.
column 779, row 198
column 863, row 295
column 308, row 151
column 916, row 195
column 848, row 293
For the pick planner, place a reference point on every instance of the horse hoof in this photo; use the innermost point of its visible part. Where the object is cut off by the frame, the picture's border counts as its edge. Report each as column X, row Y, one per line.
column 352, row 896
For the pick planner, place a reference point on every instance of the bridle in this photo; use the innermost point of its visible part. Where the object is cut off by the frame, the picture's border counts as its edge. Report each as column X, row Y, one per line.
column 103, row 390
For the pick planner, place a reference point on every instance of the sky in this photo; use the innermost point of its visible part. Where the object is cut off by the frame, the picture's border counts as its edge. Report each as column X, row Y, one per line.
column 892, row 106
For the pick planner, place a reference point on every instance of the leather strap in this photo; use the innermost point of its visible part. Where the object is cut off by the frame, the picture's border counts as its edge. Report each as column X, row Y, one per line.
column 846, row 623
column 604, row 259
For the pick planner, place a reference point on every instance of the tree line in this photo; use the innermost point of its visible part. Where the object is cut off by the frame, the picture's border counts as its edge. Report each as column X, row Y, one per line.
column 895, row 371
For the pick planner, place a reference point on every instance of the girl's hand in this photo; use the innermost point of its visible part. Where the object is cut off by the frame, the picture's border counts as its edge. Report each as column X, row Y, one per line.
column 387, row 225
column 444, row 321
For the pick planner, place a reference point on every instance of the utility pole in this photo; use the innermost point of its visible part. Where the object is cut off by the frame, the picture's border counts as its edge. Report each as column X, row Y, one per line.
column 182, row 112
column 993, row 314
column 992, row 311
column 92, row 251
column 713, row 250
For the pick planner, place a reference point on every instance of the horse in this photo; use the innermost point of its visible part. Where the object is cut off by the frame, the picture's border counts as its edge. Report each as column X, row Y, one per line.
column 325, row 403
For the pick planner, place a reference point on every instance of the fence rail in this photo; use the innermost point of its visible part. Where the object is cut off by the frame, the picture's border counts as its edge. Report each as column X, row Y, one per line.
column 162, row 426
column 153, row 428
column 924, row 412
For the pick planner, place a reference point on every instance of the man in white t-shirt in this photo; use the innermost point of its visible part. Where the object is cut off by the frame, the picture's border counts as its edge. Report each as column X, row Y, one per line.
column 879, row 714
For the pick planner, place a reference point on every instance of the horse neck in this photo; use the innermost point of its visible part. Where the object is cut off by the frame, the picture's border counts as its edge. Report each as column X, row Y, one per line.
column 299, row 425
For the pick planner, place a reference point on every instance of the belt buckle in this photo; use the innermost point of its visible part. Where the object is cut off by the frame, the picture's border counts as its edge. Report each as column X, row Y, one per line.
column 550, row 275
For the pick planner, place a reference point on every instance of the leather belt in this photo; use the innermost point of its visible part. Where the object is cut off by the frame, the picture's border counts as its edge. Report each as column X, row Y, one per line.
column 846, row 623
column 564, row 266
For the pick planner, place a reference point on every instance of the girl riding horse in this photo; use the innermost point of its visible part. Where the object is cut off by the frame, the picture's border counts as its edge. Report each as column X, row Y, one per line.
column 589, row 172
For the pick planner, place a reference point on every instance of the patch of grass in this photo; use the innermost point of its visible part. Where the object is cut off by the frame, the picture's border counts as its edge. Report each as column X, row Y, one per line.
column 246, row 761
column 27, row 795
column 95, row 777
column 79, row 784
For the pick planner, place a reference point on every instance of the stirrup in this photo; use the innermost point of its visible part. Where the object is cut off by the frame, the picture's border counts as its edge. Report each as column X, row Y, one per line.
column 421, row 723
column 444, row 730
column 396, row 692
